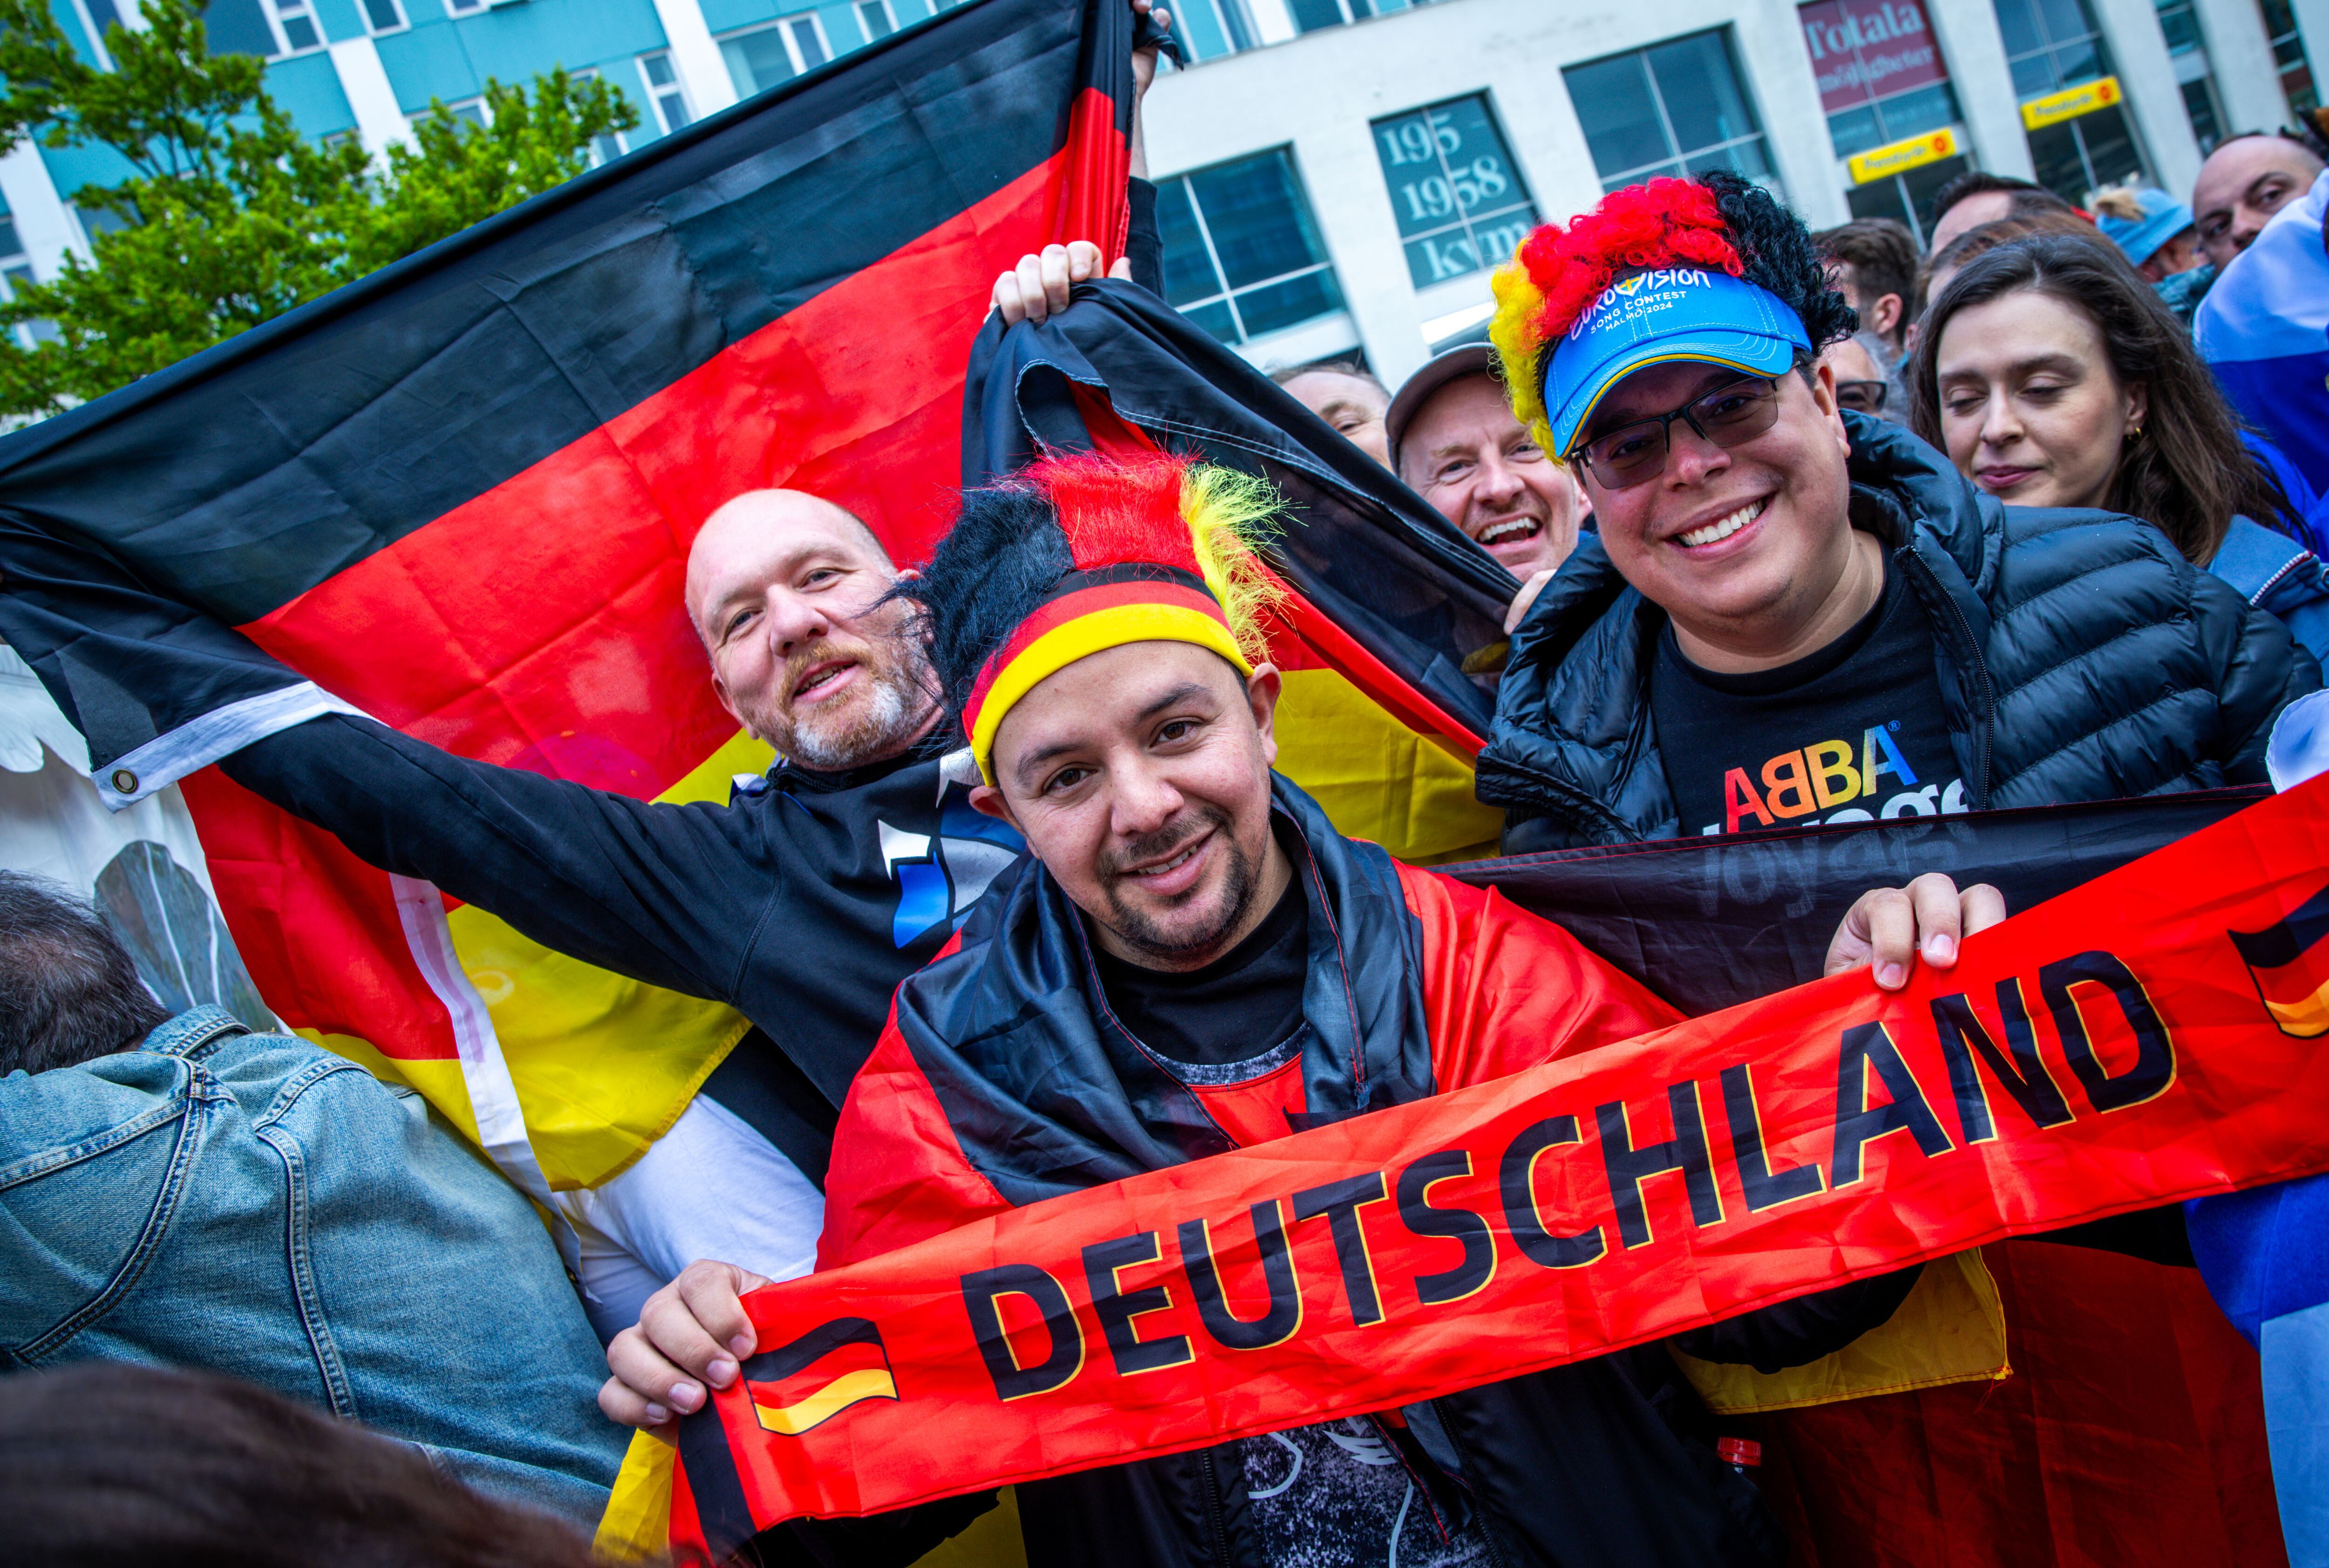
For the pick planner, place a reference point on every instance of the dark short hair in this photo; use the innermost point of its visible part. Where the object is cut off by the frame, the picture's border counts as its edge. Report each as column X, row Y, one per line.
column 2028, row 197
column 68, row 992
column 104, row 1465
column 2188, row 474
column 1881, row 254
column 1983, row 238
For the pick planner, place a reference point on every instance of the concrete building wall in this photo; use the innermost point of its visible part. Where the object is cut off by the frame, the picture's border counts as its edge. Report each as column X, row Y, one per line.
column 1316, row 94
column 1258, row 81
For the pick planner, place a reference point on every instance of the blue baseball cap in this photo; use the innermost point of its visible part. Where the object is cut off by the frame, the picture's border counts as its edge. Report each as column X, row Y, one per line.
column 2164, row 217
column 1669, row 313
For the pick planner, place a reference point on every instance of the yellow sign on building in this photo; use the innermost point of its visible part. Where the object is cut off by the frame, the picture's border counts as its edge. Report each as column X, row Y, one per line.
column 2071, row 103
column 1895, row 156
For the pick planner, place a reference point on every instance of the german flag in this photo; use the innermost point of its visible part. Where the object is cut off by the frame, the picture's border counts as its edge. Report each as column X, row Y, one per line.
column 2289, row 964
column 459, row 495
column 815, row 1377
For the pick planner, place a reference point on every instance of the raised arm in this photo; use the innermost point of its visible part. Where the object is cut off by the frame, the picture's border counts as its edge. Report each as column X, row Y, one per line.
column 668, row 895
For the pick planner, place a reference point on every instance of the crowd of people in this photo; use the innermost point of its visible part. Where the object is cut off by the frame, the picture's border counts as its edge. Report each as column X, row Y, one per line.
column 1936, row 530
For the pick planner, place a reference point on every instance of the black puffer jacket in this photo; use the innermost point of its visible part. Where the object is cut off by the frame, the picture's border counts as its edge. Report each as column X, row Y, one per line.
column 2080, row 658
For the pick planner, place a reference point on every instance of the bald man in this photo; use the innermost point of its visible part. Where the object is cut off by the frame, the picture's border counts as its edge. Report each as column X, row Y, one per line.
column 2245, row 181
column 802, row 902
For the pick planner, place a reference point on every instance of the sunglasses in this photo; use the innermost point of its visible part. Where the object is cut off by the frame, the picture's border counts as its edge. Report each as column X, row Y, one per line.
column 1862, row 397
column 1734, row 413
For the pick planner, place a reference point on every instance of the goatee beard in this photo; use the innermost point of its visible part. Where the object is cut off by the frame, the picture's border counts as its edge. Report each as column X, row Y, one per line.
column 1241, row 878
column 884, row 724
column 896, row 705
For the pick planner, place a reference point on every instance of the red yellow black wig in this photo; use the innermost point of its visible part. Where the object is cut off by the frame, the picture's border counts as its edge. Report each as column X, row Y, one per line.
column 1718, row 220
column 1079, row 554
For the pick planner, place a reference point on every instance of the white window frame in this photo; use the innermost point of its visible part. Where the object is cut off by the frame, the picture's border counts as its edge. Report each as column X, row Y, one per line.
column 88, row 29
column 815, row 25
column 403, row 20
column 622, row 144
column 475, row 101
column 889, row 12
column 274, row 10
column 656, row 94
column 464, row 7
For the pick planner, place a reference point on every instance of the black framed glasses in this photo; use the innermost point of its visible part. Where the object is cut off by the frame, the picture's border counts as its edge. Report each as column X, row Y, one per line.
column 1733, row 413
column 1862, row 397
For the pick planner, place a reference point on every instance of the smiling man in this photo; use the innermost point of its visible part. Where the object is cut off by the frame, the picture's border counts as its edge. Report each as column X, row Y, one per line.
column 1195, row 960
column 1794, row 615
column 1455, row 443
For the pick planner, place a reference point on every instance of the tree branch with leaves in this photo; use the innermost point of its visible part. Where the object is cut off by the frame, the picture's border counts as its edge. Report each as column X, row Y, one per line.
column 232, row 217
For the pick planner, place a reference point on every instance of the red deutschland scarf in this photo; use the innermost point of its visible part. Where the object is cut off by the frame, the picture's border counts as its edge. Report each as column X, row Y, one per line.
column 2145, row 1038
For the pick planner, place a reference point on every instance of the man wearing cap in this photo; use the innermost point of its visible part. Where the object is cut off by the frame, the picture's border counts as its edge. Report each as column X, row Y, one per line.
column 1793, row 616
column 1194, row 962
column 1453, row 442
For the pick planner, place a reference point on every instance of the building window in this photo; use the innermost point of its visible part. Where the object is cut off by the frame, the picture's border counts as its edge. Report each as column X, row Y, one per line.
column 95, row 17
column 2052, row 44
column 1212, row 28
column 1309, row 15
column 607, row 146
column 1460, row 202
column 295, row 26
column 2179, row 24
column 470, row 111
column 1242, row 256
column 807, row 36
column 383, row 15
column 1881, row 74
column 1678, row 109
column 765, row 56
column 874, row 17
column 460, row 7
column 2288, row 55
column 241, row 27
column 17, row 269
column 663, row 92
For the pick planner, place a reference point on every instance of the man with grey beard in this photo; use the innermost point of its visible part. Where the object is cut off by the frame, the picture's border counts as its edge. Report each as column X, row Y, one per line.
column 801, row 903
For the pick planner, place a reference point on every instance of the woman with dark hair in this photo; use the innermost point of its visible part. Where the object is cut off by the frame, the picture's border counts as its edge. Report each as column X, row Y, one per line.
column 104, row 1464
column 2052, row 376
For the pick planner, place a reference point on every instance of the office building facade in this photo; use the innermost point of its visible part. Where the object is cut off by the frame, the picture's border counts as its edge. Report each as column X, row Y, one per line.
column 1339, row 176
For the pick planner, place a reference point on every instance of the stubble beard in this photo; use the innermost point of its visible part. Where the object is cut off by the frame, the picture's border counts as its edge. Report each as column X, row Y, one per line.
column 874, row 727
column 1241, row 878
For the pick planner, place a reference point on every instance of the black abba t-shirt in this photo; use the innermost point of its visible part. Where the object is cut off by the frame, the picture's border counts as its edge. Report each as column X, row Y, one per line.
column 1851, row 733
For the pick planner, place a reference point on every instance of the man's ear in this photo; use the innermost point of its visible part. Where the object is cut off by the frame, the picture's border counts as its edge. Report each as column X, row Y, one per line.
column 987, row 800
column 1823, row 398
column 1888, row 310
column 1262, row 689
column 720, row 690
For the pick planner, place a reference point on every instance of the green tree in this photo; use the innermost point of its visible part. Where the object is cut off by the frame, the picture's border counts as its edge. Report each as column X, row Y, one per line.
column 231, row 216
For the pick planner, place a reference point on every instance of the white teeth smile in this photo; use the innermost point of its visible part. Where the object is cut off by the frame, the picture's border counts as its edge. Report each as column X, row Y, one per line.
column 821, row 680
column 1724, row 528
column 1514, row 528
column 1174, row 864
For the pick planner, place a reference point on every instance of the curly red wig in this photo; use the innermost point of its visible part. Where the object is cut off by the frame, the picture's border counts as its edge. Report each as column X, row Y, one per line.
column 1666, row 222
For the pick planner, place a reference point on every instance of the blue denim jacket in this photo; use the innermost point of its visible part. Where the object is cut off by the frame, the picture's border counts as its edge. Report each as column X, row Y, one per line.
column 254, row 1205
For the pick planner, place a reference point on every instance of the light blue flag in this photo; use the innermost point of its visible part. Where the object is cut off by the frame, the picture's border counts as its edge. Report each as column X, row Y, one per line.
column 2264, row 329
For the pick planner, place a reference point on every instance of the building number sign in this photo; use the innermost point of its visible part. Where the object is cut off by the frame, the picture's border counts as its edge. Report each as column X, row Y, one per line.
column 1460, row 204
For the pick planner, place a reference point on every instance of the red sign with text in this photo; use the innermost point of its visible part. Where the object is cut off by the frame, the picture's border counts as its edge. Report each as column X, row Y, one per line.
column 1870, row 48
